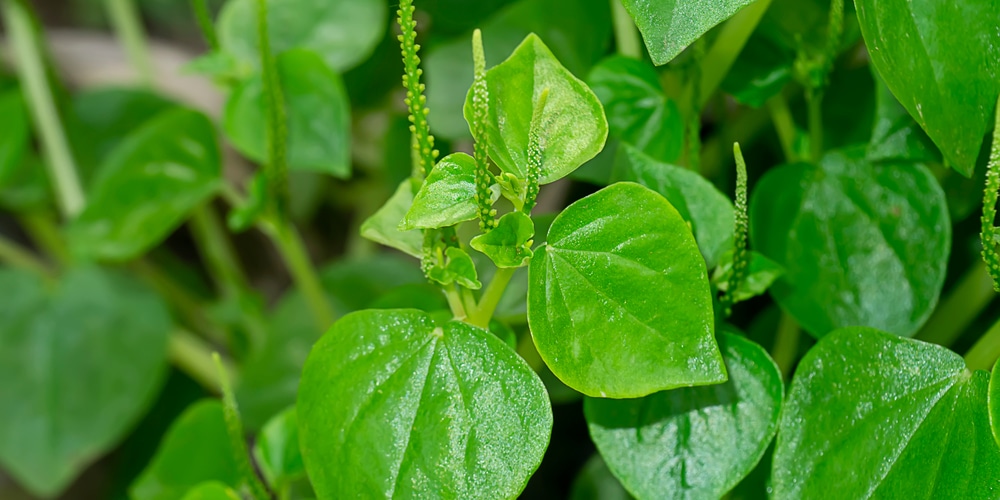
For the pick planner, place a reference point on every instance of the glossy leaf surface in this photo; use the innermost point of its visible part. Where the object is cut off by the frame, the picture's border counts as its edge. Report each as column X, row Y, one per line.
column 509, row 244
column 147, row 186
column 447, row 196
column 870, row 414
column 669, row 26
column 618, row 302
column 415, row 408
column 696, row 442
column 81, row 362
column 573, row 125
column 941, row 59
column 861, row 244
column 319, row 118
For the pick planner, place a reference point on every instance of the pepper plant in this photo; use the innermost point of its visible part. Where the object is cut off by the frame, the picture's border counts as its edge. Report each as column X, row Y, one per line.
column 583, row 244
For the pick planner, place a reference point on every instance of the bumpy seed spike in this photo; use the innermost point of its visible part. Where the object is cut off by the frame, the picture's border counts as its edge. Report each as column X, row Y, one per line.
column 276, row 166
column 535, row 150
column 415, row 100
column 741, row 258
column 234, row 428
column 480, row 110
column 990, row 234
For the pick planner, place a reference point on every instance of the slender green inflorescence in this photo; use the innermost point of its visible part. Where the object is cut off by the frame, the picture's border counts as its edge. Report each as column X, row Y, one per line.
column 276, row 167
column 535, row 151
column 834, row 34
column 480, row 110
column 234, row 427
column 415, row 99
column 990, row 234
column 741, row 257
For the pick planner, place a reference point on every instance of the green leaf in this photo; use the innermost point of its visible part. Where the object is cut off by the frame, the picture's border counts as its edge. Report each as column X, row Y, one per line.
column 595, row 482
column 458, row 269
column 211, row 490
column 509, row 244
column 861, row 244
column 81, row 362
column 700, row 203
column 638, row 112
column 148, row 186
column 895, row 135
column 447, row 196
column 345, row 32
column 761, row 70
column 195, row 450
column 941, row 59
column 872, row 415
column 277, row 450
column 383, row 226
column 618, row 302
column 578, row 32
column 695, row 442
column 669, row 26
column 413, row 409
column 761, row 274
column 15, row 133
column 319, row 117
column 994, row 402
column 573, row 129
column 107, row 116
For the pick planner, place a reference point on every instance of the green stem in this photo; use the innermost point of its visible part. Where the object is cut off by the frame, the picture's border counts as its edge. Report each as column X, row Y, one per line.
column 193, row 356
column 784, row 125
column 14, row 255
column 491, row 297
column 986, row 350
column 294, row 253
column 732, row 38
column 814, row 98
column 204, row 18
column 626, row 34
column 188, row 308
column 129, row 31
column 234, row 427
column 960, row 308
column 786, row 344
column 455, row 302
column 28, row 54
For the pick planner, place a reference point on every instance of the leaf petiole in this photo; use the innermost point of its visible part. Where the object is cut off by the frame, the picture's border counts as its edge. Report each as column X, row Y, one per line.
column 491, row 297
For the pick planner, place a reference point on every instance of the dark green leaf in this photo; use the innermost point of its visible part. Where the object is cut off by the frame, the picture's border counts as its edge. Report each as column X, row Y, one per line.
column 595, row 482
column 509, row 244
column 344, row 31
column 941, row 59
column 619, row 303
column 761, row 274
column 708, row 211
column 195, row 450
column 760, row 72
column 319, row 119
column 638, row 112
column 895, row 135
column 277, row 450
column 383, row 226
column 415, row 409
column 669, row 26
column 577, row 32
column 148, row 186
column 872, row 415
column 108, row 115
column 696, row 442
column 861, row 244
column 447, row 196
column 211, row 490
column 573, row 125
column 80, row 363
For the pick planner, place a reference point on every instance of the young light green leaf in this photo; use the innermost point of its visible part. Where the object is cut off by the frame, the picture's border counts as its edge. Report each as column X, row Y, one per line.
column 941, row 59
column 761, row 274
column 912, row 423
column 81, row 362
column 509, row 244
column 195, row 450
column 277, row 450
column 148, row 186
column 669, row 26
column 211, row 490
column 618, row 302
column 699, row 202
column 447, row 196
column 573, row 124
column 695, row 442
column 638, row 112
column 383, row 226
column 414, row 408
column 344, row 31
column 319, row 120
column 458, row 268
column 861, row 244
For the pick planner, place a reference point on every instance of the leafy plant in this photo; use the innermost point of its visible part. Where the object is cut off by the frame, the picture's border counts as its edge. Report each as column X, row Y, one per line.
column 563, row 250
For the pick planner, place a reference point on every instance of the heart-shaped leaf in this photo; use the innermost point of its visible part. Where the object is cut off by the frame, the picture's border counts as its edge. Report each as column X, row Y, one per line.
column 80, row 363
column 319, row 117
column 344, row 31
column 695, row 442
column 508, row 244
column 415, row 409
column 669, row 26
column 148, row 185
column 872, row 415
column 941, row 59
column 573, row 129
column 861, row 244
column 618, row 302
column 447, row 196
